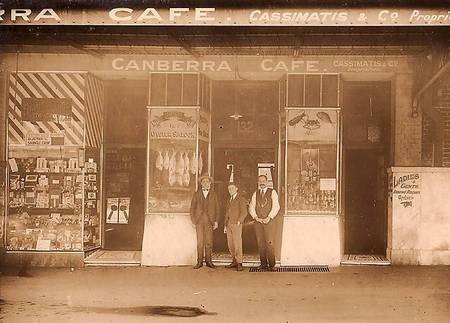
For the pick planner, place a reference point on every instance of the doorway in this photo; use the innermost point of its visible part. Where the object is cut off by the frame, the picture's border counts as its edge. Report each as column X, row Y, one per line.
column 242, row 166
column 124, row 164
column 245, row 140
column 366, row 157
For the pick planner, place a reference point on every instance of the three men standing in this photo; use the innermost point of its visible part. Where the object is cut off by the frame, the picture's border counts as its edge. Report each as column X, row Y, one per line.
column 204, row 214
column 264, row 207
column 236, row 211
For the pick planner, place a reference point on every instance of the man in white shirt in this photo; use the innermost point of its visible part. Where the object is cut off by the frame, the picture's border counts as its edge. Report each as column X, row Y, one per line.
column 263, row 208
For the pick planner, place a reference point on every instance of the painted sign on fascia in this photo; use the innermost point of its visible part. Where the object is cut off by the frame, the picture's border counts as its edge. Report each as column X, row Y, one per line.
column 228, row 16
column 257, row 64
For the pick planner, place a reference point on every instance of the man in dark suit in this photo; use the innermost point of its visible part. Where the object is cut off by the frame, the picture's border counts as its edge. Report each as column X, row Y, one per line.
column 263, row 208
column 236, row 211
column 204, row 214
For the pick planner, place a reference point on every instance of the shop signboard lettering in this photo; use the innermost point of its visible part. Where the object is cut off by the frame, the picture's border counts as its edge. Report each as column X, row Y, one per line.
column 227, row 16
column 173, row 124
column 46, row 109
column 44, row 139
column 406, row 189
column 270, row 65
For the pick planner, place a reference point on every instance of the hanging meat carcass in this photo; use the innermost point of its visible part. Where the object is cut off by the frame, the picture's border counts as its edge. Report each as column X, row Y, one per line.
column 172, row 169
column 180, row 164
column 166, row 161
column 200, row 163
column 180, row 169
column 186, row 162
column 193, row 164
column 159, row 161
column 186, row 177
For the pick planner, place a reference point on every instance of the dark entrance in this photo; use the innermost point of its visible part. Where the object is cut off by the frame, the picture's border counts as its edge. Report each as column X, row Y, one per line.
column 125, row 168
column 245, row 141
column 125, row 164
column 366, row 109
column 242, row 165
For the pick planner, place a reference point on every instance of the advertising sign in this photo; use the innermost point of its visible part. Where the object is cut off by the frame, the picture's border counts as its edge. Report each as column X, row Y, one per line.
column 312, row 124
column 46, row 109
column 294, row 16
column 173, row 124
column 406, row 190
column 44, row 139
column 118, row 210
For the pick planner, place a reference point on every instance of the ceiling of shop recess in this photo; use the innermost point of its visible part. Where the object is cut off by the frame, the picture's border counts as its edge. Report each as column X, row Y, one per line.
column 198, row 41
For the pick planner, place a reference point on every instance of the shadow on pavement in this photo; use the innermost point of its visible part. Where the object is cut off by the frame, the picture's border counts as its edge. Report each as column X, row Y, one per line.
column 180, row 311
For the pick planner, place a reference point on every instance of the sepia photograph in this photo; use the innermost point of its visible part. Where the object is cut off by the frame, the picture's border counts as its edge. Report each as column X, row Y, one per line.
column 224, row 161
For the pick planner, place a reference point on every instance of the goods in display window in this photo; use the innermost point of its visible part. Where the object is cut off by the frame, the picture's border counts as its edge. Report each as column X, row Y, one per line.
column 312, row 156
column 91, row 221
column 44, row 204
column 174, row 169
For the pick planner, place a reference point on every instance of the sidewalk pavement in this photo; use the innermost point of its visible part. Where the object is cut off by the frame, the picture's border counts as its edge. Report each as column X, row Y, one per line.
column 149, row 294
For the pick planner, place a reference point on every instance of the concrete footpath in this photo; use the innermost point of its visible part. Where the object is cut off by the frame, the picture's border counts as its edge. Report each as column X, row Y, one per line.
column 181, row 294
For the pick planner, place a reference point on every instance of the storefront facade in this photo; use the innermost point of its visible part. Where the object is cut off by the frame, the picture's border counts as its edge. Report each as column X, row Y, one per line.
column 104, row 148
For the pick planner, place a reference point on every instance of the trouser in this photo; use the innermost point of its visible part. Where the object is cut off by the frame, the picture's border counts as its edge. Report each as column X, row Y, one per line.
column 265, row 239
column 234, row 239
column 204, row 240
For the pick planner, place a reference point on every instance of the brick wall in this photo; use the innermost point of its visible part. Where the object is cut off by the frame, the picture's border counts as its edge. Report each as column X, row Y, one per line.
column 442, row 102
column 408, row 130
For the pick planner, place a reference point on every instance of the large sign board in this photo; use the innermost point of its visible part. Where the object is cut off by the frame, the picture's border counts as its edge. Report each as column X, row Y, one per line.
column 46, row 109
column 228, row 17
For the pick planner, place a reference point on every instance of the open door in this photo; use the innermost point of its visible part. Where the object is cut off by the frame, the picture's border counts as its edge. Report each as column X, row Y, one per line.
column 366, row 150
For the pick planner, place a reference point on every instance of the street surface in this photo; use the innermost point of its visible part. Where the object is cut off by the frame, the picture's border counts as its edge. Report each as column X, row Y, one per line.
column 181, row 294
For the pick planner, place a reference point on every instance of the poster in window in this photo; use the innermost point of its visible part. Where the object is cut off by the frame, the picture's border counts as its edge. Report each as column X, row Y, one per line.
column 118, row 210
column 310, row 164
column 312, row 125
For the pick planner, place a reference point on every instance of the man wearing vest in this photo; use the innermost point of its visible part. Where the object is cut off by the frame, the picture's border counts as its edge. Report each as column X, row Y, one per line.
column 235, row 213
column 204, row 214
column 264, row 207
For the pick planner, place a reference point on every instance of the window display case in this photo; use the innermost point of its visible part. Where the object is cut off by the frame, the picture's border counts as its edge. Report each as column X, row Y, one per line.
column 92, row 196
column 178, row 152
column 312, row 172
column 45, row 200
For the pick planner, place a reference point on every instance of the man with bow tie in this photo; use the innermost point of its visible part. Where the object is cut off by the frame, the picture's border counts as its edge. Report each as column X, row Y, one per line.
column 263, row 208
column 204, row 214
column 235, row 213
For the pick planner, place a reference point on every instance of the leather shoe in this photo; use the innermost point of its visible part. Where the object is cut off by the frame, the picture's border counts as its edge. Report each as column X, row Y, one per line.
column 239, row 267
column 271, row 269
column 261, row 267
column 198, row 265
column 232, row 265
column 210, row 264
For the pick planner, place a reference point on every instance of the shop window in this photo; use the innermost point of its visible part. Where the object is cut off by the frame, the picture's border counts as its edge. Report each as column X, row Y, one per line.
column 175, row 89
column 312, row 159
column 296, row 87
column 312, row 90
column 178, row 154
column 53, row 177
